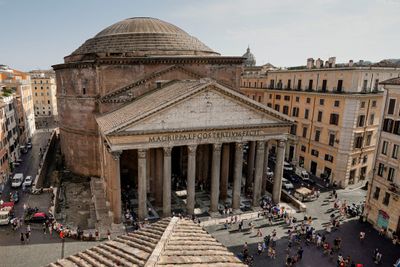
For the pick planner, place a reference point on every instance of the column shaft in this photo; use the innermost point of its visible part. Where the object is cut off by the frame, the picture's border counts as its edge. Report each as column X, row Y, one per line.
column 224, row 172
column 142, row 196
column 264, row 180
column 237, row 176
column 250, row 165
column 215, row 176
column 190, row 200
column 167, row 182
column 116, row 188
column 258, row 173
column 280, row 157
column 159, row 179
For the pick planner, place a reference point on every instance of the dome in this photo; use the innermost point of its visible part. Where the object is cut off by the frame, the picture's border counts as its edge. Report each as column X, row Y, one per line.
column 250, row 59
column 138, row 37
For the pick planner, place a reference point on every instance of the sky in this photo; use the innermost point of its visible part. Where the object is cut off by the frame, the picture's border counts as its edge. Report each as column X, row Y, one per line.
column 39, row 33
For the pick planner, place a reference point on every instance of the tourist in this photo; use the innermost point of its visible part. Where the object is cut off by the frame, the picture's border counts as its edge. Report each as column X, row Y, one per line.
column 300, row 253
column 27, row 236
column 259, row 248
column 22, row 238
column 378, row 258
column 259, row 233
column 108, row 235
column 362, row 236
column 44, row 228
column 96, row 234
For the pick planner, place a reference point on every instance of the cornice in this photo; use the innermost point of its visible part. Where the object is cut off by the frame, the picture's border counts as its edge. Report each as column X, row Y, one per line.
column 78, row 131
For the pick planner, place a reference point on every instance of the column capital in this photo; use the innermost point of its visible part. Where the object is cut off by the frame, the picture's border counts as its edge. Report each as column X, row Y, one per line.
column 116, row 154
column 192, row 149
column 260, row 145
column 281, row 143
column 167, row 151
column 217, row 147
column 142, row 153
column 239, row 146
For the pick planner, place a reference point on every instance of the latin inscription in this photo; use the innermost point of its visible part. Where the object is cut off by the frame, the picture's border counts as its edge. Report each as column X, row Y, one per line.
column 203, row 136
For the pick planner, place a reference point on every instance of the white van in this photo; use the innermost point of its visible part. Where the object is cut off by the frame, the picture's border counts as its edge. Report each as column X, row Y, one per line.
column 302, row 173
column 17, row 180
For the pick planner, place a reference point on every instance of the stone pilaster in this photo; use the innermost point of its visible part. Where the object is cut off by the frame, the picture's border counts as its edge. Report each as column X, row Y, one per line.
column 215, row 176
column 167, row 182
column 190, row 200
column 280, row 158
column 142, row 176
column 237, row 176
column 224, row 172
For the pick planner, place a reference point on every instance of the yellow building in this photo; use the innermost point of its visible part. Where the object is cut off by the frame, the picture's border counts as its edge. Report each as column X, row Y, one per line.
column 383, row 203
column 44, row 97
column 337, row 112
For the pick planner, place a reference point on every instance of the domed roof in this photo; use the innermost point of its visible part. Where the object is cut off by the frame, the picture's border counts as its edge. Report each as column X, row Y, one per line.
column 143, row 36
column 250, row 58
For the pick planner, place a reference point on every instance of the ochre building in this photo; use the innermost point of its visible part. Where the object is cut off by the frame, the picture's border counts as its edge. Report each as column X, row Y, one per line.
column 143, row 101
column 336, row 109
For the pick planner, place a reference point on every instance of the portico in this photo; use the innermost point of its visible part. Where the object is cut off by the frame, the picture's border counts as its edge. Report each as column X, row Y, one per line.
column 178, row 129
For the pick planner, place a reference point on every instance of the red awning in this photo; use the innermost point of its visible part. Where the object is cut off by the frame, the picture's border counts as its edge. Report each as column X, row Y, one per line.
column 39, row 214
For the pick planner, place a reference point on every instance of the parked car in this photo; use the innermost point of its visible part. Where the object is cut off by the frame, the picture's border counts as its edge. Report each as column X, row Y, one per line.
column 38, row 217
column 287, row 166
column 6, row 212
column 294, row 178
column 302, row 173
column 14, row 197
column 29, row 145
column 245, row 205
column 28, row 181
column 17, row 180
column 286, row 184
column 269, row 172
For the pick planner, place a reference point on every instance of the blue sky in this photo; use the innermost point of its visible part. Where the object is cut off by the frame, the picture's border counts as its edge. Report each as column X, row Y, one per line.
column 39, row 33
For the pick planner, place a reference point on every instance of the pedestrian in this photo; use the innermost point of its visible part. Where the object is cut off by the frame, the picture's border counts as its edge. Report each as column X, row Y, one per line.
column 50, row 230
column 362, row 236
column 245, row 246
column 240, row 226
column 108, row 234
column 259, row 248
column 28, row 228
column 96, row 233
column 378, row 258
column 22, row 238
column 27, row 236
column 259, row 233
column 300, row 253
column 44, row 228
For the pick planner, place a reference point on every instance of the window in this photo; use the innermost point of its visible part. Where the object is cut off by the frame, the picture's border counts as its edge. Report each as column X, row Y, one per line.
column 376, row 193
column 324, row 82
column 395, row 151
column 278, row 97
column 365, row 84
column 321, row 101
column 35, row 87
column 331, row 139
column 365, row 159
column 305, row 129
column 308, row 100
column 261, row 84
column 339, row 86
column 358, row 140
column 280, row 84
column 297, row 99
column 396, row 129
column 381, row 169
column 298, row 84
column 371, row 119
column 303, row 148
column 84, row 91
column 310, row 85
column 317, row 135
column 361, row 120
column 376, row 84
column 337, row 103
column 388, row 125
column 293, row 129
column 35, row 94
column 306, row 113
column 373, row 103
column 384, row 147
column 259, row 98
column 289, row 84
column 390, row 176
column 314, row 152
column 334, row 119
column 328, row 157
column 285, row 110
column 319, row 118
column 286, row 98
column 271, row 83
column 392, row 104
column 386, row 199
column 270, row 96
column 277, row 107
column 295, row 112
column 269, row 105
column 363, row 104
column 368, row 139
column 301, row 161
column 48, row 101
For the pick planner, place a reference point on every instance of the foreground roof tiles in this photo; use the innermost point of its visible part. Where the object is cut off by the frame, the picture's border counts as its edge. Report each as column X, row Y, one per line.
column 169, row 242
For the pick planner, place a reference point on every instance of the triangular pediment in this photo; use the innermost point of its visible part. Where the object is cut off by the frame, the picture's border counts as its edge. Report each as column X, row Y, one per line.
column 190, row 105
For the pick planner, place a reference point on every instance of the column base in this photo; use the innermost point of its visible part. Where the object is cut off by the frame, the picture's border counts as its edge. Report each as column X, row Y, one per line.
column 214, row 214
column 237, row 211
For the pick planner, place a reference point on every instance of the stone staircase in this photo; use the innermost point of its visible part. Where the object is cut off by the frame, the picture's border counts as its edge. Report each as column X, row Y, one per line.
column 100, row 209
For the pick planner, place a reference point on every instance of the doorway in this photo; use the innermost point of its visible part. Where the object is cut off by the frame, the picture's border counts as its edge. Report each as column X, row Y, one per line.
column 313, row 168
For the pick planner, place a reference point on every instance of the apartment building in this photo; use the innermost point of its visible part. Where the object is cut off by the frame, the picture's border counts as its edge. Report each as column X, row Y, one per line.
column 383, row 199
column 336, row 108
column 4, row 162
column 44, row 97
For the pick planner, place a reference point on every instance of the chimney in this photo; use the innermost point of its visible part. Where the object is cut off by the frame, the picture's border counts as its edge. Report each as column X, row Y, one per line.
column 351, row 63
column 310, row 63
column 332, row 62
column 319, row 63
column 326, row 64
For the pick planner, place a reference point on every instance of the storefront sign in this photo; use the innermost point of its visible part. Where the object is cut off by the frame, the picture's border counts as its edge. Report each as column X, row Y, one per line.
column 203, row 136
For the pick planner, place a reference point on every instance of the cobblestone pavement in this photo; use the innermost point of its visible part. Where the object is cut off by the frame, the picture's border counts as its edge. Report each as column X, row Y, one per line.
column 319, row 210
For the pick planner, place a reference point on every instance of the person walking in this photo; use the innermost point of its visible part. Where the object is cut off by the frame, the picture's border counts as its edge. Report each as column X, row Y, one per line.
column 27, row 236
column 300, row 253
column 259, row 248
column 22, row 238
column 50, row 230
column 259, row 233
column 362, row 236
column 44, row 228
column 108, row 235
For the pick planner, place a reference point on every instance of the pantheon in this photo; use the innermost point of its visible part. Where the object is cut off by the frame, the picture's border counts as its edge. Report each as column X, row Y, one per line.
column 143, row 102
